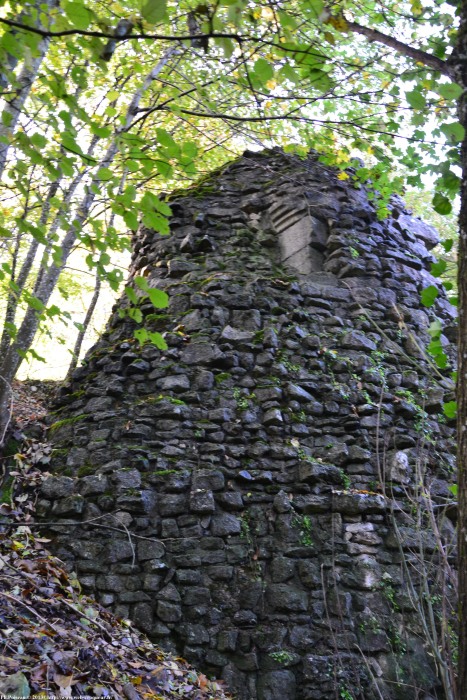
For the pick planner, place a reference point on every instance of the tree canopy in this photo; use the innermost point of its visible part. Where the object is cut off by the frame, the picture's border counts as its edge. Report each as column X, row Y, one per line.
column 107, row 104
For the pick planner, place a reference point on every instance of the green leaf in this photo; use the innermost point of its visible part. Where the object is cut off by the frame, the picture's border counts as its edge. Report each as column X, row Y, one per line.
column 415, row 99
column 447, row 244
column 450, row 91
column 164, row 168
column 289, row 74
column 450, row 182
column 429, row 295
column 158, row 341
column 135, row 314
column 316, row 7
column 132, row 165
column 441, row 204
column 438, row 268
column 435, row 328
column 114, row 277
column 79, row 16
column 151, row 201
column 7, row 118
column 157, row 222
column 131, row 294
column 34, row 302
column 319, row 80
column 131, row 220
column 166, row 140
column 70, row 144
column 141, row 335
column 226, row 45
column 263, row 70
column 153, row 11
column 158, row 298
column 450, row 409
column 104, row 174
column 453, row 488
column 454, row 131
column 102, row 132
column 435, row 347
column 190, row 149
column 142, row 283
column 53, row 311
column 441, row 360
column 38, row 140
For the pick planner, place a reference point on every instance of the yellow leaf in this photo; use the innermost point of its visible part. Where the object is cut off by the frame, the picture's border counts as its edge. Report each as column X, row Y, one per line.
column 329, row 37
column 271, row 84
column 343, row 176
column 339, row 23
column 341, row 156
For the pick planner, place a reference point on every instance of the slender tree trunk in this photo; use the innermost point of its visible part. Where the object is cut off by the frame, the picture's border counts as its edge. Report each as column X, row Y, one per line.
column 10, row 363
column 15, row 105
column 84, row 328
column 460, row 66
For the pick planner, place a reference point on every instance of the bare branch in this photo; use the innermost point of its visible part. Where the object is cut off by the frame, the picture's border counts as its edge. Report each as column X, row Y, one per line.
column 373, row 35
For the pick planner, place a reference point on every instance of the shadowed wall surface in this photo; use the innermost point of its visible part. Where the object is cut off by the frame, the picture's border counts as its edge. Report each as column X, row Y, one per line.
column 264, row 496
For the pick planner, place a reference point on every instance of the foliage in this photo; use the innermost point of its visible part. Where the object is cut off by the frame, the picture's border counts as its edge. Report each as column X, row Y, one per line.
column 106, row 106
column 105, row 128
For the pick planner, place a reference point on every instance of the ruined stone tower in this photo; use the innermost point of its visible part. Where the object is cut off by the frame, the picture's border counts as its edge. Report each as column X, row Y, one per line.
column 251, row 497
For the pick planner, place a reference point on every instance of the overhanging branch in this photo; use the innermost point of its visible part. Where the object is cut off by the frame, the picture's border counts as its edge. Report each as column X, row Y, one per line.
column 418, row 55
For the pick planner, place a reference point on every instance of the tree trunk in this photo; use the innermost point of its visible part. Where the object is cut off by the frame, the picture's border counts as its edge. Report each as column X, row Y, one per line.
column 84, row 328
column 460, row 66
column 14, row 106
column 48, row 277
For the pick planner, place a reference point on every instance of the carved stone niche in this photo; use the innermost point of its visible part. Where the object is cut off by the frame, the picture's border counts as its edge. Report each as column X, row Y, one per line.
column 302, row 237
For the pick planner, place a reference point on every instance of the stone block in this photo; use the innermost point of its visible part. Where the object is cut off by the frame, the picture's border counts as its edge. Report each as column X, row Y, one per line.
column 230, row 500
column 277, row 685
column 202, row 501
column 196, row 595
column 118, row 550
column 286, row 598
column 282, row 569
column 69, row 506
column 93, row 484
column 273, row 417
column 147, row 549
column 126, row 479
column 315, row 472
column 225, row 524
column 237, row 337
column 212, row 480
column 57, row 486
column 168, row 612
column 176, row 383
column 110, row 582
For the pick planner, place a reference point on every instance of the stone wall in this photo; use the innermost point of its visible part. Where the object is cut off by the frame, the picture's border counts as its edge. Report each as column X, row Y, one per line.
column 251, row 496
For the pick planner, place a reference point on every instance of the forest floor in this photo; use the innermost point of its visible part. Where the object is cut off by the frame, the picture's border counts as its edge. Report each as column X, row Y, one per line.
column 31, row 400
column 56, row 641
